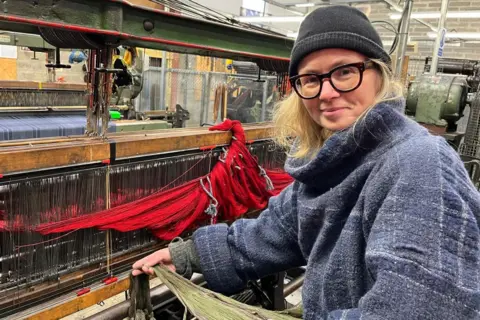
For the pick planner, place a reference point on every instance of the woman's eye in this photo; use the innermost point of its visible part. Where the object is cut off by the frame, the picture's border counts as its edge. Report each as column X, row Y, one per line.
column 310, row 80
column 345, row 72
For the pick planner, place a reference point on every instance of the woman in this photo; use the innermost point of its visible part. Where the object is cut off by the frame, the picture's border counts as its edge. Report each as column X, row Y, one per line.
column 382, row 213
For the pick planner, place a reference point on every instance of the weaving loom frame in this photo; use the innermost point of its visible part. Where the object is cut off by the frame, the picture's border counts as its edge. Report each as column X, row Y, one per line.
column 216, row 149
column 22, row 156
column 125, row 23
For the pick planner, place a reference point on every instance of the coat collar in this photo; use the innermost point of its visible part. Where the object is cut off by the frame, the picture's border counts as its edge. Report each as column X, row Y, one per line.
column 345, row 150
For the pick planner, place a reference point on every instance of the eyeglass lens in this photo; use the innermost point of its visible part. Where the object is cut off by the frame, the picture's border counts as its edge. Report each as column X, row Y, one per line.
column 342, row 79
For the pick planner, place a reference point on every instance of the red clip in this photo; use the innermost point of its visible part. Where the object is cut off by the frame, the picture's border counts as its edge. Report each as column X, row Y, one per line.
column 83, row 291
column 1, row 176
column 110, row 280
column 106, row 161
column 250, row 141
column 207, row 148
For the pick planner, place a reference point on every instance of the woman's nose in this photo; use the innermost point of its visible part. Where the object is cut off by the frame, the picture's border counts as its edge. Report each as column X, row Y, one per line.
column 328, row 91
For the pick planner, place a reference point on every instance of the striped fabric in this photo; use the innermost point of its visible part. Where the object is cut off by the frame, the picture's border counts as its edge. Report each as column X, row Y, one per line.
column 43, row 126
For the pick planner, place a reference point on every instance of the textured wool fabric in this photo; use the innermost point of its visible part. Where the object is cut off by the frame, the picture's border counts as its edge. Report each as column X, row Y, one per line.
column 184, row 257
column 336, row 27
column 384, row 217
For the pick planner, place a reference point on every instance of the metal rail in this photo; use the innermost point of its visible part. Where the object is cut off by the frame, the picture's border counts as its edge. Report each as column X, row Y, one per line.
column 121, row 22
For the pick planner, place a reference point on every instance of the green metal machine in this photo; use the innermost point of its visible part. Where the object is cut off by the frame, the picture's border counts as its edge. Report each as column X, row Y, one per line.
column 438, row 100
column 94, row 24
column 100, row 26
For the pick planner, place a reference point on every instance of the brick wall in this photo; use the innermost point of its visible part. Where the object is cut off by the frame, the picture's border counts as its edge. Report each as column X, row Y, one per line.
column 31, row 67
column 380, row 11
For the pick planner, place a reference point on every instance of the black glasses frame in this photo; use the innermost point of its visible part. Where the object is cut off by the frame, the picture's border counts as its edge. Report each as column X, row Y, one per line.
column 361, row 66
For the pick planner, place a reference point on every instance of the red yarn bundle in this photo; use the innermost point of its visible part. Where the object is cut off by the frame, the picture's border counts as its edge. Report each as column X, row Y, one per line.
column 235, row 185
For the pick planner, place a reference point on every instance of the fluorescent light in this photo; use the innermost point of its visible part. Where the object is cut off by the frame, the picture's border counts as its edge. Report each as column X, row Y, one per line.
column 457, row 35
column 292, row 34
column 447, row 44
column 270, row 19
column 436, row 15
column 304, row 5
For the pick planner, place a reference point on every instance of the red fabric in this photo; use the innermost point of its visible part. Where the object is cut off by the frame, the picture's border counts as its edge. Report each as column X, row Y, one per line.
column 236, row 184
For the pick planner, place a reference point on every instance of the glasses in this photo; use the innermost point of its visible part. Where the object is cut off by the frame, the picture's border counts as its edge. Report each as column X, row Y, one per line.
column 344, row 78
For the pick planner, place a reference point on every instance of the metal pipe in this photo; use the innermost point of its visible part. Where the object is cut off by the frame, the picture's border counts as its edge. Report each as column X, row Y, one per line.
column 440, row 37
column 203, row 99
column 193, row 72
column 264, row 100
column 162, row 82
column 397, row 8
column 159, row 295
column 293, row 285
column 403, row 39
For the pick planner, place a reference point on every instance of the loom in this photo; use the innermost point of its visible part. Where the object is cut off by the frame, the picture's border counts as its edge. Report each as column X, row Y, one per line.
column 62, row 106
column 43, row 181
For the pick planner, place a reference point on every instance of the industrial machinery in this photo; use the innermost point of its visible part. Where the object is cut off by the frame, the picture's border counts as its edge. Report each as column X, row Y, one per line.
column 469, row 149
column 50, row 180
column 62, row 106
column 438, row 101
column 468, row 68
column 177, row 118
column 245, row 94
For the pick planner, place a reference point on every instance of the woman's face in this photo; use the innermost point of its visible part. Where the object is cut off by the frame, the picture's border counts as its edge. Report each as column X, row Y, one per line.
column 332, row 109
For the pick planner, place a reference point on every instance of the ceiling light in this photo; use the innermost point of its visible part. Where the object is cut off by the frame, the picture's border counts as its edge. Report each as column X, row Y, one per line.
column 458, row 35
column 304, row 5
column 270, row 19
column 436, row 15
column 292, row 34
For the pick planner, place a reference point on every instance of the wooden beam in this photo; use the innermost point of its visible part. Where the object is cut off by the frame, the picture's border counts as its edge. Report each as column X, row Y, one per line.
column 404, row 75
column 38, row 158
column 37, row 85
column 82, row 302
column 40, row 154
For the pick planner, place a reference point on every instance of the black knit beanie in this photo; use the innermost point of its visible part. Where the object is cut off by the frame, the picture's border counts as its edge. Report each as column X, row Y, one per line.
column 337, row 26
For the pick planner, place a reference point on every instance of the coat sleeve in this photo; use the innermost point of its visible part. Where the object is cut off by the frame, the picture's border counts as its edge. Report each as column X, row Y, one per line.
column 251, row 248
column 423, row 244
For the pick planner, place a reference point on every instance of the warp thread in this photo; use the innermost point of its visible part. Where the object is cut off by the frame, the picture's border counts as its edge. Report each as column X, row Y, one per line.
column 205, row 304
column 237, row 184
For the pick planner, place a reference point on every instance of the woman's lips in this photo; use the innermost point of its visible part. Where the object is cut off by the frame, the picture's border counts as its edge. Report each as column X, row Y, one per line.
column 332, row 112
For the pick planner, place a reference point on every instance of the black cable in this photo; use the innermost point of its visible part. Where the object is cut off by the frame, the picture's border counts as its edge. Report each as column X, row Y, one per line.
column 209, row 9
column 181, row 6
column 393, row 29
column 186, row 12
column 191, row 11
column 402, row 21
column 380, row 22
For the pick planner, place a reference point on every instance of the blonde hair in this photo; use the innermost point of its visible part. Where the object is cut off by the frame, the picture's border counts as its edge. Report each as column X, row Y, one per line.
column 292, row 120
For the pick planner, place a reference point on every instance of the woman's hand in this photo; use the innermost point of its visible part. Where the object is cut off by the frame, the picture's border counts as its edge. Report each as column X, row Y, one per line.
column 145, row 265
